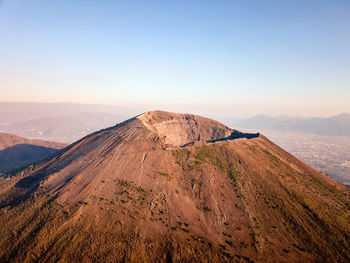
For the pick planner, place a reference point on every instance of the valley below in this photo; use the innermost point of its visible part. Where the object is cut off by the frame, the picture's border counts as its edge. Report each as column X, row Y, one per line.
column 326, row 153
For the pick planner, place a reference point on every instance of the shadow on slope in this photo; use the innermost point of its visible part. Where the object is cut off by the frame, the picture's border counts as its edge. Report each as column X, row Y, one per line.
column 237, row 135
column 23, row 154
column 233, row 136
column 31, row 180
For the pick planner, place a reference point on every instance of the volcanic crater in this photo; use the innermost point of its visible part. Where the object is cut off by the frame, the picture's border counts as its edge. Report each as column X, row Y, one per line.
column 168, row 187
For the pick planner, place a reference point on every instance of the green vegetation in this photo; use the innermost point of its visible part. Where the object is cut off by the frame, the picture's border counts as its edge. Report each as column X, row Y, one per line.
column 252, row 148
column 125, row 183
column 166, row 175
column 226, row 234
column 220, row 158
column 228, row 242
column 277, row 161
column 206, row 209
column 183, row 158
column 131, row 186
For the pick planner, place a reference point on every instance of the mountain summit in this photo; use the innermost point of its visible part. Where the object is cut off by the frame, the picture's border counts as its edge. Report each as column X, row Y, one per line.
column 167, row 187
column 180, row 129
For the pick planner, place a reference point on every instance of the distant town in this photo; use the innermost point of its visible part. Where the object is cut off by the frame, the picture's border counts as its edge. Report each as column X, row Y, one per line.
column 328, row 154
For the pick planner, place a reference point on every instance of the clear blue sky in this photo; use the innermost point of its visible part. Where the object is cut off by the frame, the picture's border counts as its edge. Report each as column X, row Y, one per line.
column 224, row 57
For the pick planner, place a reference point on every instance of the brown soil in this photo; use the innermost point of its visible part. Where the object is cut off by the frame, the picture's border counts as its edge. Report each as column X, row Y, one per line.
column 153, row 189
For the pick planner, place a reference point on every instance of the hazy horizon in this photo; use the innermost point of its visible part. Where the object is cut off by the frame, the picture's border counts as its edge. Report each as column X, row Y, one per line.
column 133, row 110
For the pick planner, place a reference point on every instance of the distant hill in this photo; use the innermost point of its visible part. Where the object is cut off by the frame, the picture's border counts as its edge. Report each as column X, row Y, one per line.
column 16, row 151
column 63, row 122
column 67, row 128
column 338, row 125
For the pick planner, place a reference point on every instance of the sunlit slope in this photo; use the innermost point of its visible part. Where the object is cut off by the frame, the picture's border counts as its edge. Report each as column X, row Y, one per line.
column 154, row 189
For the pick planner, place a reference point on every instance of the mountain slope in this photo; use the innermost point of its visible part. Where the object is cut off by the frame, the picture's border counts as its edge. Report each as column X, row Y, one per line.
column 17, row 151
column 166, row 187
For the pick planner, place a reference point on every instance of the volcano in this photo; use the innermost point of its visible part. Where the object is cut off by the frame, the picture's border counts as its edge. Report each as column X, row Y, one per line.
column 167, row 187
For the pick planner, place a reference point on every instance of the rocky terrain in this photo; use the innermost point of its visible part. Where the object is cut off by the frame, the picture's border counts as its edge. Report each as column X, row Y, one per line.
column 166, row 187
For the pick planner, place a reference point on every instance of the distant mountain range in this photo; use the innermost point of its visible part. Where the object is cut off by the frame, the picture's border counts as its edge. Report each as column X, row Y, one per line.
column 63, row 122
column 338, row 125
column 66, row 128
column 68, row 122
column 16, row 151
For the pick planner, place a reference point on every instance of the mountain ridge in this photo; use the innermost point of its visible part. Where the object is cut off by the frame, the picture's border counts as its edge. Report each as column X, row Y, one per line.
column 138, row 191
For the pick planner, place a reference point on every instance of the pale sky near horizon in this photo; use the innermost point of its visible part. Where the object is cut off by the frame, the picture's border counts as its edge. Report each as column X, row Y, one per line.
column 224, row 57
